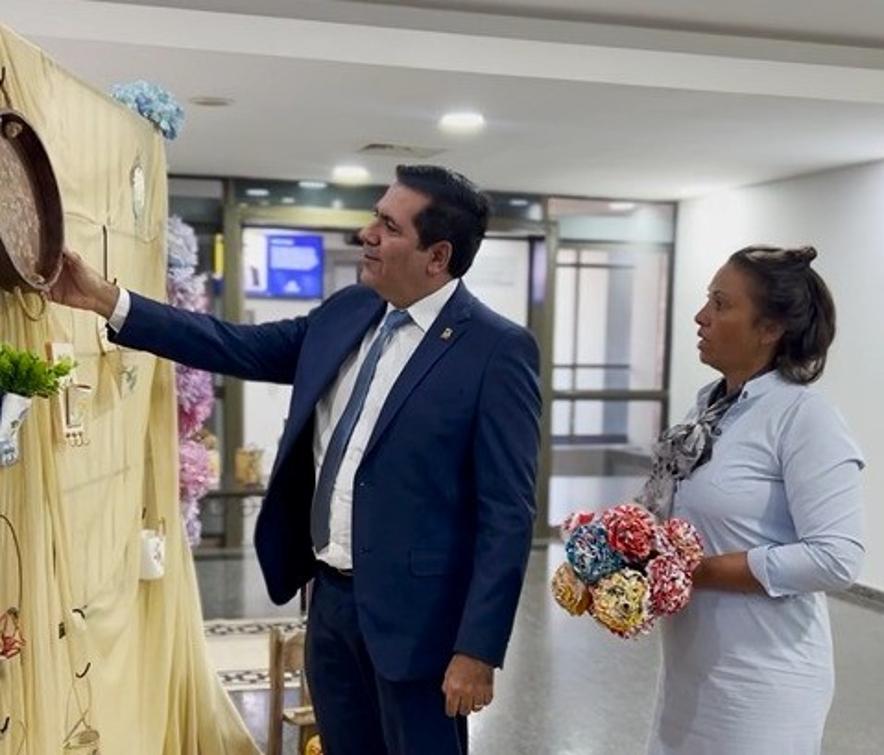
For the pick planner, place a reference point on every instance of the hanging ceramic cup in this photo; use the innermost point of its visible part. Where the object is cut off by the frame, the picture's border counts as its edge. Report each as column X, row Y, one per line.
column 153, row 552
column 13, row 409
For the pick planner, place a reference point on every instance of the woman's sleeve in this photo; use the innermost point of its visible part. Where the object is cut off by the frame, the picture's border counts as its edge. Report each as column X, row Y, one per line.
column 821, row 472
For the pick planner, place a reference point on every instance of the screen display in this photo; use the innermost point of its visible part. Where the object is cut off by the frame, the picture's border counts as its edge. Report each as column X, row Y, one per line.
column 284, row 264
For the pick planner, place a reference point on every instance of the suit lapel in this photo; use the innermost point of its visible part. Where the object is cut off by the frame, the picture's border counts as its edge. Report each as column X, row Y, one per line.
column 340, row 337
column 451, row 323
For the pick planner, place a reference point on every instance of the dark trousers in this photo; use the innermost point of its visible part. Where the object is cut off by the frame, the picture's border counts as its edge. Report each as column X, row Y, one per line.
column 358, row 711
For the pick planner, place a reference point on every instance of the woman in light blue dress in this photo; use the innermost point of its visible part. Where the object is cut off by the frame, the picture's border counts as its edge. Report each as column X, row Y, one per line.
column 766, row 470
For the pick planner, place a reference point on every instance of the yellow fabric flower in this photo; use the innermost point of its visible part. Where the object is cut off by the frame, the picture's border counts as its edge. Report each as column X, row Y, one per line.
column 620, row 602
column 570, row 593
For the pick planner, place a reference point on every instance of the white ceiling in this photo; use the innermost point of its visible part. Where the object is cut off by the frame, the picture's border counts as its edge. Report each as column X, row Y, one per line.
column 574, row 108
column 841, row 21
column 856, row 22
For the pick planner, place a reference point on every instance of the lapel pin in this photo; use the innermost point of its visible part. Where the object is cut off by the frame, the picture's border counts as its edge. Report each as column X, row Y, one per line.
column 446, row 334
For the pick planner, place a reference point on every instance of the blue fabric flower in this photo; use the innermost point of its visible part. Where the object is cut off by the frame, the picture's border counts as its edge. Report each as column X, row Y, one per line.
column 154, row 103
column 590, row 555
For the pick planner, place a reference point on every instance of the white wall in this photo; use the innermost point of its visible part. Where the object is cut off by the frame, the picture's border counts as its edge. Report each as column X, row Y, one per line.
column 499, row 277
column 841, row 213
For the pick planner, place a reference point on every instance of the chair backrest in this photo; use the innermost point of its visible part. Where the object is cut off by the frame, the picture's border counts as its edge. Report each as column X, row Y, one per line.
column 286, row 655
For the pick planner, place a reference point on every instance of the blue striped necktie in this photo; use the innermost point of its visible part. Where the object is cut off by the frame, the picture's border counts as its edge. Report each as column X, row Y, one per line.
column 337, row 445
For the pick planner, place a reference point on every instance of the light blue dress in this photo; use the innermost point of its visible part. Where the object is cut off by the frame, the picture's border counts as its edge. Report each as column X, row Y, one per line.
column 752, row 674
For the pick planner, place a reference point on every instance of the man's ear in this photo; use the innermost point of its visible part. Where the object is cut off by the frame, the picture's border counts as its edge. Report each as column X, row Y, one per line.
column 439, row 257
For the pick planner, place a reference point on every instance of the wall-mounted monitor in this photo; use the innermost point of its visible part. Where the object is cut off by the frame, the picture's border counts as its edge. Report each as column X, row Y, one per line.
column 281, row 263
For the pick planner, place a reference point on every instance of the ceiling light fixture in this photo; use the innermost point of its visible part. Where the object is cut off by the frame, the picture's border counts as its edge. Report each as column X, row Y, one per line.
column 209, row 101
column 462, row 122
column 312, row 184
column 257, row 192
column 621, row 206
column 350, row 174
column 518, row 202
column 287, row 200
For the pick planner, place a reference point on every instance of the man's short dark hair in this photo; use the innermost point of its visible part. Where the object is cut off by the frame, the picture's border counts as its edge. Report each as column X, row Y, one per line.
column 458, row 212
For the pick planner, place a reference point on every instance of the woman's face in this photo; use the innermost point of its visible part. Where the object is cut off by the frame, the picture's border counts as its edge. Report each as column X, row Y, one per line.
column 733, row 338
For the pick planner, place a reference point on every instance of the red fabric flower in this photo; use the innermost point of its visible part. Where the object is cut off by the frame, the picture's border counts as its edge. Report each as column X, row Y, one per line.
column 11, row 640
column 686, row 540
column 573, row 521
column 630, row 530
column 670, row 585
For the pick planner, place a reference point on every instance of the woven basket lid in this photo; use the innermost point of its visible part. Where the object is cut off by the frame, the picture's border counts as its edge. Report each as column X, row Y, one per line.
column 31, row 217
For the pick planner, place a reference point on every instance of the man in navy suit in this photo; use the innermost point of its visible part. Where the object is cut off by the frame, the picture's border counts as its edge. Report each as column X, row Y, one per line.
column 404, row 482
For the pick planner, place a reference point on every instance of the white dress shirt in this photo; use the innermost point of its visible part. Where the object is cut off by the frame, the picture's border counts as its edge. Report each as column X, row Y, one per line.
column 404, row 343
column 330, row 407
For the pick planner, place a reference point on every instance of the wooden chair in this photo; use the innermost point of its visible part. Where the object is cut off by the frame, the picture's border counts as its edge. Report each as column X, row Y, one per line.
column 287, row 654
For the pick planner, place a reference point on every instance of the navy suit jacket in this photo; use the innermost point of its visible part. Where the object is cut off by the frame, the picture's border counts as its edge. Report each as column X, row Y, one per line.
column 443, row 500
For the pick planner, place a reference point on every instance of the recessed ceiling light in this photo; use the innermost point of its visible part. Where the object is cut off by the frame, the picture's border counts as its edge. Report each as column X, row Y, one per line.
column 462, row 122
column 337, row 204
column 518, row 202
column 312, row 184
column 208, row 101
column 287, row 200
column 257, row 192
column 621, row 206
column 350, row 174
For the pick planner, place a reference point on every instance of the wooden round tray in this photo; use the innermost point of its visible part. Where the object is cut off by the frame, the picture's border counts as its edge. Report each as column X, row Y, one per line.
column 31, row 218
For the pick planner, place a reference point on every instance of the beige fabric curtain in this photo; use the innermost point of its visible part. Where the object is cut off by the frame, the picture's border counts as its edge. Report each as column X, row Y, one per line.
column 78, row 510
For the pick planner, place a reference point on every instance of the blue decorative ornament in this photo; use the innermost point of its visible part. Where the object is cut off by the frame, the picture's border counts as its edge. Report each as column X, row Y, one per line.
column 590, row 555
column 154, row 103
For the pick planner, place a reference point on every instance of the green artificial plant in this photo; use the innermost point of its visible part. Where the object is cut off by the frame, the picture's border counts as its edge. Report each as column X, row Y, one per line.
column 26, row 374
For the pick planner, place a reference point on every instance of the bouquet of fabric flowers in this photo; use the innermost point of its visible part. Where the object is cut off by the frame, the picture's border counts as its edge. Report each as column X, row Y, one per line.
column 625, row 569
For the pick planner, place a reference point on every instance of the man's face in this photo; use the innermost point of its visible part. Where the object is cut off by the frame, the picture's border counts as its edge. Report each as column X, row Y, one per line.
column 393, row 262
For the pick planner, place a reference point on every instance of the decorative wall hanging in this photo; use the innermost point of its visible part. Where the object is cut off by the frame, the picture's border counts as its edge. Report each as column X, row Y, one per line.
column 31, row 217
column 11, row 638
column 105, row 345
column 153, row 552
column 72, row 401
column 136, row 181
column 13, row 410
column 81, row 737
column 22, row 376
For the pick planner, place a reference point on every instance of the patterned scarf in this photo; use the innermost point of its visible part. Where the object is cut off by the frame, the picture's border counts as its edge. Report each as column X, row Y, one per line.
column 681, row 449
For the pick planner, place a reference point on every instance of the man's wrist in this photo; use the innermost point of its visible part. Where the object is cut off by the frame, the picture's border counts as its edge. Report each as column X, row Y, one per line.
column 107, row 300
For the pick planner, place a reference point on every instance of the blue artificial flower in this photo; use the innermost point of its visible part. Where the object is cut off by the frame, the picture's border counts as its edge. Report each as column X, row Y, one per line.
column 154, row 103
column 590, row 555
